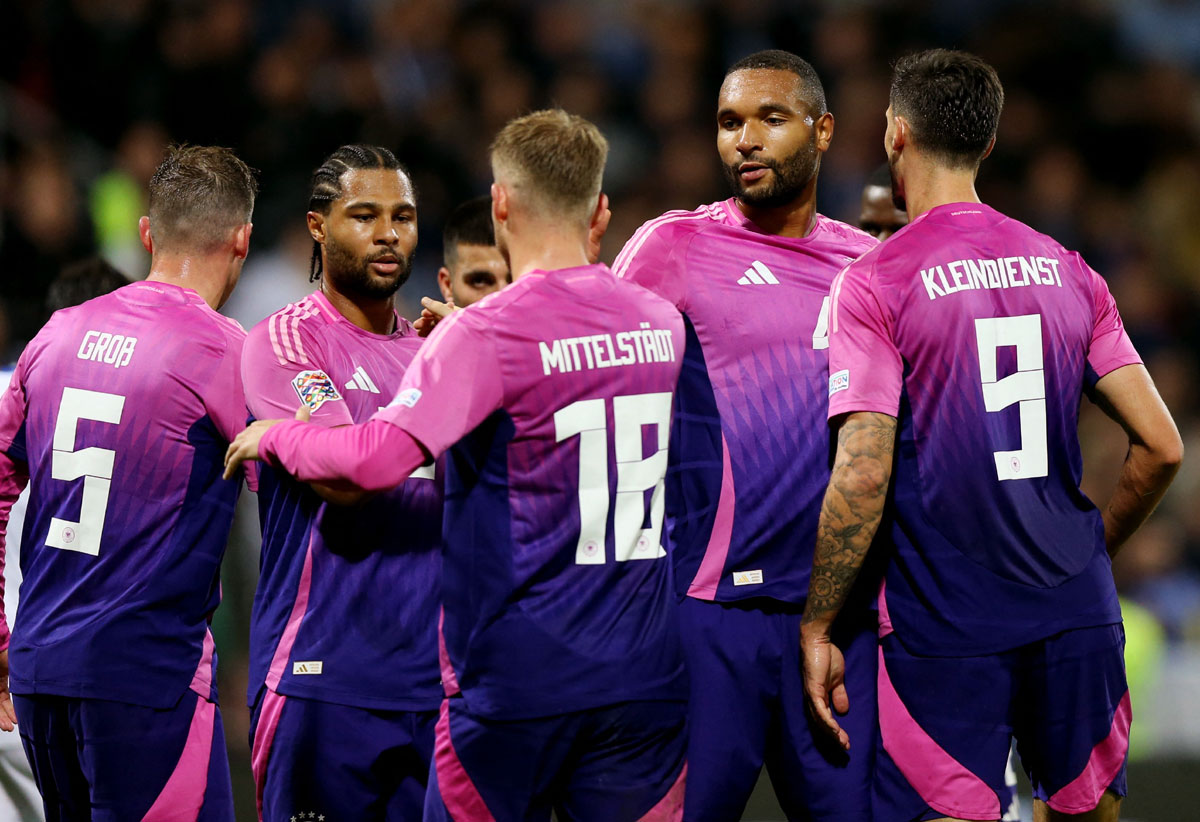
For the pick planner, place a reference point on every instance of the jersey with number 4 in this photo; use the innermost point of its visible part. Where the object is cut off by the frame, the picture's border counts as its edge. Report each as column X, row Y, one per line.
column 346, row 605
column 750, row 449
column 980, row 335
column 554, row 398
column 122, row 409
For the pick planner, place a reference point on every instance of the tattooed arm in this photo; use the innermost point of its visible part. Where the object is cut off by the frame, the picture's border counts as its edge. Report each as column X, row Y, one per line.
column 850, row 516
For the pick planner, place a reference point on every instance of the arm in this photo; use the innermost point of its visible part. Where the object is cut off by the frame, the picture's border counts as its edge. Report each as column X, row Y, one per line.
column 374, row 456
column 1129, row 397
column 850, row 515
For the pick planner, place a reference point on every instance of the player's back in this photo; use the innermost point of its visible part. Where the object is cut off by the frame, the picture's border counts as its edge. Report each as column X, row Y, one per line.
column 556, row 587
column 122, row 408
column 996, row 329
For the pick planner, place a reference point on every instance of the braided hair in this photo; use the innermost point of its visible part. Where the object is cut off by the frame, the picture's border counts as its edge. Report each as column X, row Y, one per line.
column 327, row 183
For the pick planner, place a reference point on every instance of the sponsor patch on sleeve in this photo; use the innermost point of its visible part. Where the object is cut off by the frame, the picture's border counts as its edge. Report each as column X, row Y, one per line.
column 839, row 382
column 315, row 389
column 408, row 397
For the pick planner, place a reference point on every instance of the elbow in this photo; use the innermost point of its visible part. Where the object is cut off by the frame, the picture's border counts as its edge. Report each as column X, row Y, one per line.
column 1171, row 456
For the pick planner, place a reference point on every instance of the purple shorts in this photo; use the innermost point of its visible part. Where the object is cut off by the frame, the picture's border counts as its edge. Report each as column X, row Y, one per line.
column 747, row 710
column 622, row 763
column 315, row 760
column 947, row 724
column 109, row 761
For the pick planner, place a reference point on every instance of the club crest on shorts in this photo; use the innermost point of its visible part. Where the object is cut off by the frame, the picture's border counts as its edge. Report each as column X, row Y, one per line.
column 315, row 389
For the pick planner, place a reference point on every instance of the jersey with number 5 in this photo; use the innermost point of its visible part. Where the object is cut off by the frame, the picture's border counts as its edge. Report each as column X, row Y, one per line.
column 750, row 449
column 980, row 336
column 122, row 409
column 554, row 398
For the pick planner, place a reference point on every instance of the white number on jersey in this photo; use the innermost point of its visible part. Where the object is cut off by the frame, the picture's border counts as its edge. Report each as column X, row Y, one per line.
column 1026, row 387
column 635, row 474
column 821, row 333
column 95, row 465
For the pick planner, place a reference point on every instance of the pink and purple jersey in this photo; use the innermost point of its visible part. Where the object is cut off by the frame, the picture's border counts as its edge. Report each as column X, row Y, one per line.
column 750, row 447
column 553, row 397
column 122, row 409
column 346, row 607
column 979, row 335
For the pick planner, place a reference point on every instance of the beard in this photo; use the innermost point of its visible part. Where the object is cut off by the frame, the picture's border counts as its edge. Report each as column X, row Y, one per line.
column 352, row 275
column 789, row 177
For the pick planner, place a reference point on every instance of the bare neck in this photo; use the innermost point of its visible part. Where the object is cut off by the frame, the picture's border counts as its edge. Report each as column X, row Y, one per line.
column 375, row 315
column 794, row 219
column 928, row 186
column 206, row 275
column 546, row 247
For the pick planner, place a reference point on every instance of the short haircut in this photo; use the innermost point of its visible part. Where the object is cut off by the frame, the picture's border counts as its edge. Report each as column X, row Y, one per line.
column 198, row 195
column 779, row 60
column 952, row 101
column 554, row 159
column 327, row 183
column 470, row 223
column 82, row 281
column 881, row 177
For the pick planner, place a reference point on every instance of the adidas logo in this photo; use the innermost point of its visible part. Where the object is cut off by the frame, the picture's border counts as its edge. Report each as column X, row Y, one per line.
column 758, row 274
column 361, row 382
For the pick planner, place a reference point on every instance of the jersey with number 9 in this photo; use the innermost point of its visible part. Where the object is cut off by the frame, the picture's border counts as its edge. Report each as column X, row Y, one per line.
column 980, row 336
column 554, row 398
column 121, row 410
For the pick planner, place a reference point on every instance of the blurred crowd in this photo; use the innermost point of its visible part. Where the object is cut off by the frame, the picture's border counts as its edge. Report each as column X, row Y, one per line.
column 1099, row 146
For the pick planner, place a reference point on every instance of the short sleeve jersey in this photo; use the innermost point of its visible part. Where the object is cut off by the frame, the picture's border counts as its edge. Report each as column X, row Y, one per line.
column 979, row 335
column 554, row 398
column 750, row 450
column 346, row 605
column 122, row 408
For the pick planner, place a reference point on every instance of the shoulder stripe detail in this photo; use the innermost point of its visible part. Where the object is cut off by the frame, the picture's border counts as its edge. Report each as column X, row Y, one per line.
column 284, row 331
column 621, row 263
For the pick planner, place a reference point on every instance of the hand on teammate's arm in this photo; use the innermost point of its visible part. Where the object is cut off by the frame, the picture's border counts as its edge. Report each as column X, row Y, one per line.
column 373, row 456
column 850, row 515
column 1129, row 397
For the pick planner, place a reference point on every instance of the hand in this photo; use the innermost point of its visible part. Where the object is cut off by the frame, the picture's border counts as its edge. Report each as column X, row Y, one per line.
column 8, row 714
column 598, row 229
column 825, row 682
column 432, row 312
column 245, row 445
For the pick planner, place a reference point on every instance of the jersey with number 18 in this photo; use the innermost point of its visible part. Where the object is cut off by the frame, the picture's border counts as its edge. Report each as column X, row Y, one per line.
column 122, row 409
column 553, row 397
column 980, row 336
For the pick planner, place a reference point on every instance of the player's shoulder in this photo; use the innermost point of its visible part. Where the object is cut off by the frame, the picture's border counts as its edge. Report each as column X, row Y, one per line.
column 849, row 240
column 292, row 330
column 668, row 230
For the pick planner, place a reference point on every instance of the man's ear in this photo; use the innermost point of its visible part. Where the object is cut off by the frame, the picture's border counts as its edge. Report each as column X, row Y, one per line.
column 444, row 285
column 241, row 240
column 316, row 226
column 144, row 234
column 824, row 131
column 500, row 203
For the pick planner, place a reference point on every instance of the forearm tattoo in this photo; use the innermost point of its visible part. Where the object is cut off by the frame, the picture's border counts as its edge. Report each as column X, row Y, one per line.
column 851, row 510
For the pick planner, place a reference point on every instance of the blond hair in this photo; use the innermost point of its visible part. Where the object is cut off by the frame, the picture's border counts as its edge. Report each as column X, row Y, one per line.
column 554, row 160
